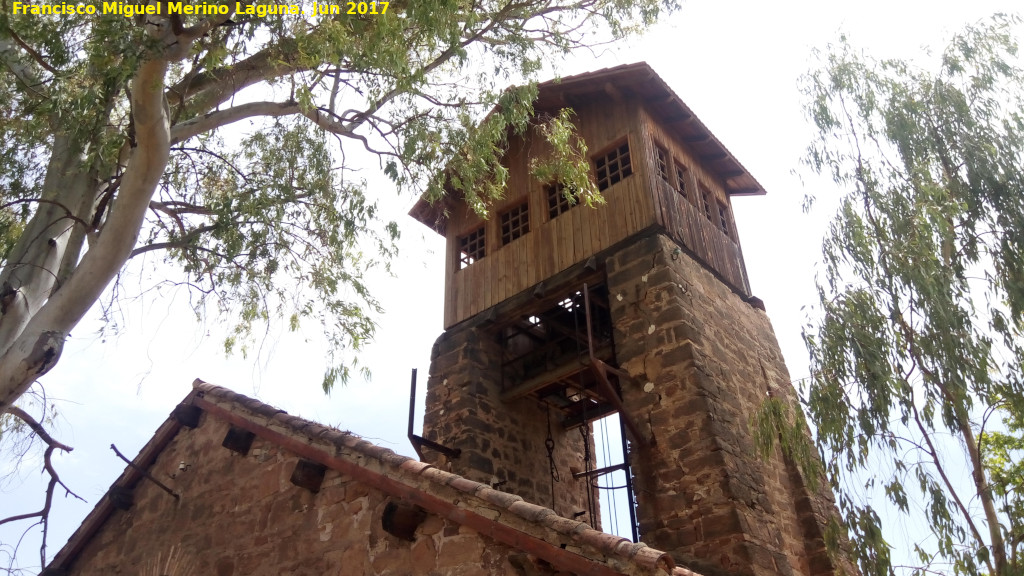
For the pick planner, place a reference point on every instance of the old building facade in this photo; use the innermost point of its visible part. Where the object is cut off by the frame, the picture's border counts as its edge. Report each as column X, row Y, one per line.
column 229, row 486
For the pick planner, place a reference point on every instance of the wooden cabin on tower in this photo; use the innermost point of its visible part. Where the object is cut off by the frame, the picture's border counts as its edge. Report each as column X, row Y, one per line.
column 557, row 315
column 653, row 160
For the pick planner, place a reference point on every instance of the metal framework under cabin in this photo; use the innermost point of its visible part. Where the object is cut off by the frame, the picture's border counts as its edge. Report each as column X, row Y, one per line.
column 561, row 353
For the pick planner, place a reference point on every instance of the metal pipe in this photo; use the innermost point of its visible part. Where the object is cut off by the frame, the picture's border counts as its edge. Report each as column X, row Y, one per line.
column 418, row 442
column 145, row 474
column 601, row 372
column 601, row 471
column 412, row 416
column 631, row 502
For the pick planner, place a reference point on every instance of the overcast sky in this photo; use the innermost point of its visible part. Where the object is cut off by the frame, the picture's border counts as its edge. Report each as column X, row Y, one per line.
column 736, row 63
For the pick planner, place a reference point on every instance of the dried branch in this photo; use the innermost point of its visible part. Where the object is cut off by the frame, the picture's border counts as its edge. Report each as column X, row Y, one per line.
column 51, row 445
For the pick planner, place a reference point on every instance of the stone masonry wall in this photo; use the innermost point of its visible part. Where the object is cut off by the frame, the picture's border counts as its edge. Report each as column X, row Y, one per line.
column 241, row 516
column 502, row 443
column 702, row 360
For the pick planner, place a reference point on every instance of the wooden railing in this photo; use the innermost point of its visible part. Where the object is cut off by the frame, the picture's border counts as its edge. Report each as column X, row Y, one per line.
column 687, row 224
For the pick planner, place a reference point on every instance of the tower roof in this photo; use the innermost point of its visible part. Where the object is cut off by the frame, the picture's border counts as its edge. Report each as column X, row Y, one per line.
column 640, row 81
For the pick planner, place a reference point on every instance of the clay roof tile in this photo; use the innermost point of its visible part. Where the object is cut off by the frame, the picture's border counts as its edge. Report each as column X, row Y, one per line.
column 654, row 559
column 498, row 498
column 464, row 484
column 604, row 542
column 531, row 512
column 414, row 466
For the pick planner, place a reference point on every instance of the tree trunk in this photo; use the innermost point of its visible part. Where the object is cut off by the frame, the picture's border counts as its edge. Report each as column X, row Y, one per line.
column 33, row 264
column 984, row 492
column 38, row 319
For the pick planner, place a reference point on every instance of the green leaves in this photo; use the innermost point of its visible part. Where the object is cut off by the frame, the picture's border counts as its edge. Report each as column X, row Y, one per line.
column 272, row 231
column 568, row 162
column 273, row 225
column 916, row 357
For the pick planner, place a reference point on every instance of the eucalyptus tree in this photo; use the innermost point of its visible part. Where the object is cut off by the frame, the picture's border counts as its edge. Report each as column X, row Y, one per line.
column 917, row 379
column 115, row 142
column 214, row 136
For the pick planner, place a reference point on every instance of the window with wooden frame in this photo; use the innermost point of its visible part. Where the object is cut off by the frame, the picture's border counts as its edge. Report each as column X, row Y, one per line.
column 707, row 199
column 471, row 247
column 558, row 203
column 682, row 177
column 672, row 171
column 664, row 168
column 515, row 222
column 613, row 167
column 723, row 219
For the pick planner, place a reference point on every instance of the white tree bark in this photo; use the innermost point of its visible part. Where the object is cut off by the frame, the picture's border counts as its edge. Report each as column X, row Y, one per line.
column 38, row 345
column 34, row 262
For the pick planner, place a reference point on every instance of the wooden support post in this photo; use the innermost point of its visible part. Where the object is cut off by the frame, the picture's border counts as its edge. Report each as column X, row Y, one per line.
column 122, row 498
column 238, row 440
column 308, row 475
column 187, row 415
column 401, row 519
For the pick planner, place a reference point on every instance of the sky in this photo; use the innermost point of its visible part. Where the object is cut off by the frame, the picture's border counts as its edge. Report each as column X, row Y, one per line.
column 736, row 63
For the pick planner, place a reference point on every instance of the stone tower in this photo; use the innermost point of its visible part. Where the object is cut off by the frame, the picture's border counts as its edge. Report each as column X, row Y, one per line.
column 557, row 315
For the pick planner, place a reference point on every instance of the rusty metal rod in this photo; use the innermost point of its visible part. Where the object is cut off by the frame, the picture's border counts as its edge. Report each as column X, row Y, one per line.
column 601, row 372
column 412, row 415
column 145, row 474
column 600, row 471
column 418, row 442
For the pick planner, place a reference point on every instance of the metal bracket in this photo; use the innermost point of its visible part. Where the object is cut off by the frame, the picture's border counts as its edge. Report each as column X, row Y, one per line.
column 418, row 442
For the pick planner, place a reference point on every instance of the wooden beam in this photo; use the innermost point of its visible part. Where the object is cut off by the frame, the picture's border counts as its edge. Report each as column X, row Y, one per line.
column 187, row 415
column 597, row 413
column 570, row 368
column 677, row 118
column 238, row 440
column 308, row 474
column 556, row 287
column 122, row 498
column 715, row 157
column 746, row 192
column 613, row 91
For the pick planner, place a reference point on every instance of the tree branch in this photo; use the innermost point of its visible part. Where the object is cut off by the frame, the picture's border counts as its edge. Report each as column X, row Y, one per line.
column 51, row 444
column 39, row 344
column 179, row 243
column 219, row 118
column 31, row 52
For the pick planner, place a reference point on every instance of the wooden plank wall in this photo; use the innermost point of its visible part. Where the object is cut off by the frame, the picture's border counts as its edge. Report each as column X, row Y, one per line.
column 686, row 222
column 552, row 245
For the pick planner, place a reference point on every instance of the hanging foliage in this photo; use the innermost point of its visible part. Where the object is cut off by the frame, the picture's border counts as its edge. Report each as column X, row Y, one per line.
column 917, row 366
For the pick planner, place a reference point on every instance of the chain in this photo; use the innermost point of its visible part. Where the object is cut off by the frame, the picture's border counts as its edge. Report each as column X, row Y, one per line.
column 549, row 443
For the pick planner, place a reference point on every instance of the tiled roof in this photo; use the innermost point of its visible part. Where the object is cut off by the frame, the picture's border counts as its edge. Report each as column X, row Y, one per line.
column 472, row 499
